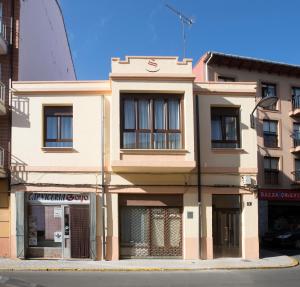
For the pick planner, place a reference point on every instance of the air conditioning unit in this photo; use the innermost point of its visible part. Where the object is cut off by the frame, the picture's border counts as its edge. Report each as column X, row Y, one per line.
column 246, row 179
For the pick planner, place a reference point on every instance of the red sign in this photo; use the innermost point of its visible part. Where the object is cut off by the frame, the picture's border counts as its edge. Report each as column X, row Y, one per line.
column 279, row 194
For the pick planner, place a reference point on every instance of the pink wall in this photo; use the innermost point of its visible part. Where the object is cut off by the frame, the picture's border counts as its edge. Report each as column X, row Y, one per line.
column 44, row 50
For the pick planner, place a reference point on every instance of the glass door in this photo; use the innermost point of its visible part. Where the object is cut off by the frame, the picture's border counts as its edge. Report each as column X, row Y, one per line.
column 66, row 232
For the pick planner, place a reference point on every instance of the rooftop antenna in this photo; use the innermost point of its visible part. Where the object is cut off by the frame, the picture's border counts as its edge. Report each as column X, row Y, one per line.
column 184, row 21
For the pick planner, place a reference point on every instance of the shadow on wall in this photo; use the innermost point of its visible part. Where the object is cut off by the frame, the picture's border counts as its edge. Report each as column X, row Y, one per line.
column 18, row 172
column 20, row 112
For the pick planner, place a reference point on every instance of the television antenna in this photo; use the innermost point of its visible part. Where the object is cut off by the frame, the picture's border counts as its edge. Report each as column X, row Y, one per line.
column 184, row 21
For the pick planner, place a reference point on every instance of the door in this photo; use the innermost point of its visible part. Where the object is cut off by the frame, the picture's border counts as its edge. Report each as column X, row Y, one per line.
column 66, row 232
column 79, row 231
column 226, row 232
column 150, row 232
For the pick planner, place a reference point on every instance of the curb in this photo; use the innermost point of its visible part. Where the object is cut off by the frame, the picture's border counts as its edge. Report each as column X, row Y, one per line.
column 294, row 263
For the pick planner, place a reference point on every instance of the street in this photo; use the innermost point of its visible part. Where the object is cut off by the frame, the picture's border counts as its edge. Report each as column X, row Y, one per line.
column 264, row 278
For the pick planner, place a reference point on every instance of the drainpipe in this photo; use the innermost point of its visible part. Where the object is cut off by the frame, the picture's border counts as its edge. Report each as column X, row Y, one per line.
column 206, row 66
column 198, row 171
column 103, row 181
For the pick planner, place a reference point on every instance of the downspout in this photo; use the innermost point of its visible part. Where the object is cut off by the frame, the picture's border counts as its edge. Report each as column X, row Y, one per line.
column 206, row 67
column 198, row 172
column 103, row 180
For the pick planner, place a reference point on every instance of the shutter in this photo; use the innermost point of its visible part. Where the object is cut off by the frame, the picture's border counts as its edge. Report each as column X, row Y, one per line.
column 20, row 224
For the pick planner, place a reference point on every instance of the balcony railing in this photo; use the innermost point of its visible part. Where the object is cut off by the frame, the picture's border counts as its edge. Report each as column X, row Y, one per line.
column 1, row 157
column 296, row 102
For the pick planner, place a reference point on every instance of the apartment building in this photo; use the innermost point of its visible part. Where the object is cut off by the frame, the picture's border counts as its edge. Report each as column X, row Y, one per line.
column 33, row 46
column 277, row 131
column 111, row 169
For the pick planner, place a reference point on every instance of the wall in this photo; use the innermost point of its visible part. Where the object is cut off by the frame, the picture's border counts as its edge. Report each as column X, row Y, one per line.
column 44, row 48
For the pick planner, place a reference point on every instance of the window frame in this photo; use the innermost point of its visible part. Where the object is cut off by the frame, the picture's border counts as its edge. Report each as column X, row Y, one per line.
column 295, row 98
column 269, row 133
column 151, row 97
column 58, row 112
column 224, row 112
column 265, row 84
column 271, row 171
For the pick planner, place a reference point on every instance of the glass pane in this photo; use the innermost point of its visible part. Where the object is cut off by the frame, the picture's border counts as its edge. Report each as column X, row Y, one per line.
column 266, row 126
column 159, row 114
column 59, row 144
column 296, row 91
column 144, row 114
column 268, row 90
column 51, row 127
column 129, row 140
column 175, row 141
column 267, row 163
column 159, row 140
column 273, row 127
column 158, row 226
column 231, row 128
column 144, row 140
column 216, row 129
column 274, row 163
column 297, row 164
column 66, row 125
column 129, row 114
column 173, row 105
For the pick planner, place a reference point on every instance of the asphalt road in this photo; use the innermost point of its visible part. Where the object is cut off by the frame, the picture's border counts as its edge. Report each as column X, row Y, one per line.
column 264, row 278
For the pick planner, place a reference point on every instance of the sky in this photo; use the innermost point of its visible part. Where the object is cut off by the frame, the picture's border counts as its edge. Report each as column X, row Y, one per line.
column 101, row 29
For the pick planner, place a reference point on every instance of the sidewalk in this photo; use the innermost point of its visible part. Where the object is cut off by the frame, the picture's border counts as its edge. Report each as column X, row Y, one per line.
column 269, row 260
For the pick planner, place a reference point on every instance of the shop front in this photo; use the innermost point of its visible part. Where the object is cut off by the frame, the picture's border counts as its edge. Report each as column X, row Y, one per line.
column 58, row 225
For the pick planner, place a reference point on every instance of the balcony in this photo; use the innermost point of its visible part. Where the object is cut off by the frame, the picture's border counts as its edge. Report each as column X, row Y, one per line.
column 2, row 99
column 4, row 38
column 295, row 112
column 2, row 171
column 296, row 142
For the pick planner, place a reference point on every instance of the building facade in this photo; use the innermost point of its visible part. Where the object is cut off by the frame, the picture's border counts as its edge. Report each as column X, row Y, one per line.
column 124, row 152
column 33, row 46
column 277, row 131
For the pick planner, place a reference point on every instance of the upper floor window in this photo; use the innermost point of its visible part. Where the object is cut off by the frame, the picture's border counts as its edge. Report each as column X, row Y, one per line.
column 271, row 170
column 269, row 90
column 270, row 133
column 151, row 121
column 296, row 98
column 58, row 126
column 226, row 79
column 297, row 170
column 225, row 127
column 296, row 134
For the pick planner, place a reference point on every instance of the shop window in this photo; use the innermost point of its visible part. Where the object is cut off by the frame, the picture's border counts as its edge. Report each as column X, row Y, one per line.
column 269, row 90
column 151, row 121
column 44, row 226
column 58, row 126
column 225, row 127
column 270, row 133
column 271, row 170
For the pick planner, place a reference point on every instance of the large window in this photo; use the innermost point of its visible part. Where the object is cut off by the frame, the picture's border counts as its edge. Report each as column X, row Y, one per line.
column 270, row 133
column 296, row 98
column 151, row 121
column 269, row 90
column 225, row 127
column 58, row 125
column 271, row 170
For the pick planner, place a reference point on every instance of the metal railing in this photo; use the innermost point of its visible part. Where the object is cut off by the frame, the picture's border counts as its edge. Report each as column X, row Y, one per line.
column 296, row 102
column 1, row 157
column 2, row 93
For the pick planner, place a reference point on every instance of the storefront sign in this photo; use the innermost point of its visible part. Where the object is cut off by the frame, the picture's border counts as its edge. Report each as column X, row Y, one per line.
column 58, row 198
column 292, row 195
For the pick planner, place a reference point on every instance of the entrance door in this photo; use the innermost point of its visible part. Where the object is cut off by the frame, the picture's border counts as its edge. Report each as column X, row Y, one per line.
column 150, row 232
column 79, row 231
column 226, row 226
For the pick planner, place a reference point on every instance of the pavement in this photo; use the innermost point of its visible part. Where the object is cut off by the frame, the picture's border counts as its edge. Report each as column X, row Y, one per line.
column 269, row 260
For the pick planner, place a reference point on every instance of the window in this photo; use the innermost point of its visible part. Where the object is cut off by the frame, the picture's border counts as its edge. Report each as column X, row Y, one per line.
column 151, row 121
column 270, row 133
column 297, row 169
column 268, row 90
column 271, row 170
column 296, row 98
column 296, row 134
column 225, row 127
column 226, row 79
column 58, row 126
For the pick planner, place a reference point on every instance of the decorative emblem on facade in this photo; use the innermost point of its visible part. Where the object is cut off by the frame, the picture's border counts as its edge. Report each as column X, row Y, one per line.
column 152, row 66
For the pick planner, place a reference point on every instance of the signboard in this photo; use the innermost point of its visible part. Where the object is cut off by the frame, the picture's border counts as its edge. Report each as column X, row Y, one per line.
column 58, row 198
column 57, row 236
column 280, row 194
column 57, row 212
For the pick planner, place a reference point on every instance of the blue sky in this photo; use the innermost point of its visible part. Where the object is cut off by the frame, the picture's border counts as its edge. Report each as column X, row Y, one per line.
column 101, row 29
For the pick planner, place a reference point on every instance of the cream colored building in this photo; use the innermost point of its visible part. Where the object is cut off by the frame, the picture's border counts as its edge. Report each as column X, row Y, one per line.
column 134, row 139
